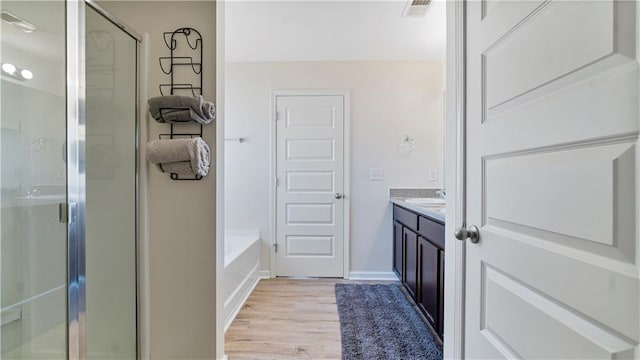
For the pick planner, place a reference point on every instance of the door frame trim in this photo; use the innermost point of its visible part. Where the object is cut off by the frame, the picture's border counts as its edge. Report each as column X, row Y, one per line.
column 346, row 134
column 220, row 174
column 75, row 27
column 455, row 141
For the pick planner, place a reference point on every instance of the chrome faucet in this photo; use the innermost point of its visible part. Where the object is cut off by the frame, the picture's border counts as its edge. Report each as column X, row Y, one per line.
column 442, row 194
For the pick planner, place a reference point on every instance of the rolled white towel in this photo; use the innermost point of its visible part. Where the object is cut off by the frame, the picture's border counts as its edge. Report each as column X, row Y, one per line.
column 192, row 151
column 209, row 110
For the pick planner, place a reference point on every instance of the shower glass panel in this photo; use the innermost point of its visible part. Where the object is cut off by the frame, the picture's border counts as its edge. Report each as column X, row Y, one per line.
column 33, row 240
column 111, row 189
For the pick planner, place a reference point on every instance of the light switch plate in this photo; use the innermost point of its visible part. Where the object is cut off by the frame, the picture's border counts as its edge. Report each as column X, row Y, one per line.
column 376, row 174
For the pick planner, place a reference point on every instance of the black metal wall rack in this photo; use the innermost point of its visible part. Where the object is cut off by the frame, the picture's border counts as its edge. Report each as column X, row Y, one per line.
column 182, row 41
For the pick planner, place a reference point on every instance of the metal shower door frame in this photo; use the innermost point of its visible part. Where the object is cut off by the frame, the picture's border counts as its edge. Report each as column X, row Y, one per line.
column 76, row 172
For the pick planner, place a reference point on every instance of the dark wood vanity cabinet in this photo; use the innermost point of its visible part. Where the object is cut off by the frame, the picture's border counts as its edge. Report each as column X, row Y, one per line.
column 429, row 271
column 441, row 293
column 397, row 249
column 418, row 260
column 411, row 261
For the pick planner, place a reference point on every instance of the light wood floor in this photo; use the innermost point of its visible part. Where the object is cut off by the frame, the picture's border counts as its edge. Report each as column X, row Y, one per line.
column 287, row 319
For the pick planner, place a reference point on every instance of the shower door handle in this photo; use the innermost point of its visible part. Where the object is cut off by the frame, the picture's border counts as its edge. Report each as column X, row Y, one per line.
column 67, row 213
column 63, row 213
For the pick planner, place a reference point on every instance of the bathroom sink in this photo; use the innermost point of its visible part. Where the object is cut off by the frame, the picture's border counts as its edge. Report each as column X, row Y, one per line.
column 435, row 208
column 426, row 201
column 43, row 197
column 34, row 200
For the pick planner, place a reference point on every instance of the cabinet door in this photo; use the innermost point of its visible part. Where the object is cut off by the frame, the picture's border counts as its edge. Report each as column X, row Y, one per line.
column 411, row 261
column 397, row 250
column 429, row 276
column 441, row 294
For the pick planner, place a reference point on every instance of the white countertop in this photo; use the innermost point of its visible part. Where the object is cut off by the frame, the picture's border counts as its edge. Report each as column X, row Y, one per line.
column 434, row 212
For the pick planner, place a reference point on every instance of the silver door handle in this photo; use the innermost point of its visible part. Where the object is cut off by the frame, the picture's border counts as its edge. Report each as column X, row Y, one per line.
column 472, row 233
column 63, row 213
column 339, row 196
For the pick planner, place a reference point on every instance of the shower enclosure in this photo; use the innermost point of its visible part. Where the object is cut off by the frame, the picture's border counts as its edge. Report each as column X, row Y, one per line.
column 68, row 182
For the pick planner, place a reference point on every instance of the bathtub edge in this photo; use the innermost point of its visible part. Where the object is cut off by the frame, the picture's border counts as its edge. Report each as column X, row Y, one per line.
column 240, row 296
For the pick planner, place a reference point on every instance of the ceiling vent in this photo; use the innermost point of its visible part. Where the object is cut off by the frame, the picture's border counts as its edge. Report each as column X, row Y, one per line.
column 416, row 7
column 21, row 24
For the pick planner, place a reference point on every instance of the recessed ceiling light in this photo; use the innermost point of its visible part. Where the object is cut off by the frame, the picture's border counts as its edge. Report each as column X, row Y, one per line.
column 15, row 72
column 9, row 68
column 26, row 74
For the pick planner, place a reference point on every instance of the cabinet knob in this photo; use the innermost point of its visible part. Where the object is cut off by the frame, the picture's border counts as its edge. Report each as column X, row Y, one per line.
column 339, row 196
column 472, row 233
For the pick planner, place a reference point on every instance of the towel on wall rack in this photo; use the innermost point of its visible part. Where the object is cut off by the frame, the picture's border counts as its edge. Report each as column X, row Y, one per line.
column 180, row 108
column 187, row 157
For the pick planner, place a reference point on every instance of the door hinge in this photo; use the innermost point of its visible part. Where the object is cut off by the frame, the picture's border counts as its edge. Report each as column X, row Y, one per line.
column 275, row 247
column 277, row 182
column 277, row 116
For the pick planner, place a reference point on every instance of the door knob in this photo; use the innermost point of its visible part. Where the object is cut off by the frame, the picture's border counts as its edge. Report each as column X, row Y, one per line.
column 472, row 233
column 338, row 196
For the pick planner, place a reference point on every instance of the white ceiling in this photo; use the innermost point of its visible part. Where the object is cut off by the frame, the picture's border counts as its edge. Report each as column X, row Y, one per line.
column 331, row 30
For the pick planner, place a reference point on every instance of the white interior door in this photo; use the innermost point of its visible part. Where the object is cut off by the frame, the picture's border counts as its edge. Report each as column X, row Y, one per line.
column 552, row 180
column 309, row 196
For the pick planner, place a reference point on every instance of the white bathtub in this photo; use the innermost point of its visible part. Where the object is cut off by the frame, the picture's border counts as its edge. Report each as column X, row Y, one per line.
column 241, row 270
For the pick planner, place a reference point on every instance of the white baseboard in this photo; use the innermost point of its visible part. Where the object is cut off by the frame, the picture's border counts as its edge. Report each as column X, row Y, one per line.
column 353, row 275
column 373, row 275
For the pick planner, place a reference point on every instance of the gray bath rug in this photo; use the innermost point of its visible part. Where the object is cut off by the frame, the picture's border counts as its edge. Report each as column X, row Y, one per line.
column 377, row 322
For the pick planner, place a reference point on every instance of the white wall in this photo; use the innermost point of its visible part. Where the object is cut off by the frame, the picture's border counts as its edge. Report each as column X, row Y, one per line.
column 389, row 99
column 181, row 214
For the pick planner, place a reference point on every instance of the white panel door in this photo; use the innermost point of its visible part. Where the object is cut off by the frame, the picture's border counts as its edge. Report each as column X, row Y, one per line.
column 309, row 199
column 552, row 180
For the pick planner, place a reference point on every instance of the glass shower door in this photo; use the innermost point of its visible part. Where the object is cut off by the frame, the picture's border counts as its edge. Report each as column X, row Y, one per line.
column 111, row 96
column 33, row 184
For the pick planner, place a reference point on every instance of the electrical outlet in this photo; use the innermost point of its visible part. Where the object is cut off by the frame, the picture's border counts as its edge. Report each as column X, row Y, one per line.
column 376, row 174
column 433, row 174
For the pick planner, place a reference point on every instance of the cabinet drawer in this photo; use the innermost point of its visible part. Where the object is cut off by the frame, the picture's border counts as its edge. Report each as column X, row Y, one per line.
column 406, row 217
column 432, row 231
